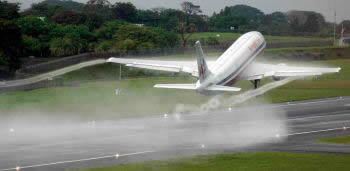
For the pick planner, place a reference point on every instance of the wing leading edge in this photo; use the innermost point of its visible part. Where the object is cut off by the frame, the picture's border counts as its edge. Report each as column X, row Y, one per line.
column 168, row 66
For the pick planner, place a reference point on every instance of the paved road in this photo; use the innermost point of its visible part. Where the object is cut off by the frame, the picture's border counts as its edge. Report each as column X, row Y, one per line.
column 277, row 127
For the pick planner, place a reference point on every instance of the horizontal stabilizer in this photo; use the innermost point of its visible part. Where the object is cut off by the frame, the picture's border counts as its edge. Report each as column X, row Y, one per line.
column 177, row 86
column 223, row 88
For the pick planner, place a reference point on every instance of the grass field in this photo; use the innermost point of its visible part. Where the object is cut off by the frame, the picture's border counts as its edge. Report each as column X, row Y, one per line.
column 336, row 140
column 243, row 161
column 228, row 37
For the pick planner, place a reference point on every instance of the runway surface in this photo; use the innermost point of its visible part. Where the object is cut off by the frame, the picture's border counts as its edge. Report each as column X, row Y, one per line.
column 288, row 127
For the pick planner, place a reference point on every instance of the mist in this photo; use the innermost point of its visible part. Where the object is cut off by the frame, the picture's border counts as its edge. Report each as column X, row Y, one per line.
column 238, row 127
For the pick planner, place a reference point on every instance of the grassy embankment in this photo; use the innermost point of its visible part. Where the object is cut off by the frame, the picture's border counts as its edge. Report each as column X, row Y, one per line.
column 243, row 161
column 138, row 97
column 336, row 140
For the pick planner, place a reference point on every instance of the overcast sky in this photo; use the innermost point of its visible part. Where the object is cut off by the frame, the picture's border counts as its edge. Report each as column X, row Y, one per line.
column 325, row 7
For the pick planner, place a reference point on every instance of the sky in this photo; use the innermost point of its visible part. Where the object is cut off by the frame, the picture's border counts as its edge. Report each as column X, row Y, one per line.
column 325, row 7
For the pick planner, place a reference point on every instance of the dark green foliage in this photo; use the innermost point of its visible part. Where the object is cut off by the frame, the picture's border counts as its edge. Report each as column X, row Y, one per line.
column 312, row 25
column 66, row 4
column 124, row 11
column 148, row 17
column 275, row 18
column 170, row 18
column 42, row 9
column 34, row 26
column 164, row 38
column 11, row 46
column 224, row 23
column 250, row 13
column 98, row 12
column 93, row 21
column 69, row 17
column 306, row 21
column 9, row 11
column 133, row 37
column 108, row 29
column 70, row 40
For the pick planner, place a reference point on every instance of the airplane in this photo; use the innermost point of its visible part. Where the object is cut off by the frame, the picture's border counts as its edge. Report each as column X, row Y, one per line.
column 235, row 64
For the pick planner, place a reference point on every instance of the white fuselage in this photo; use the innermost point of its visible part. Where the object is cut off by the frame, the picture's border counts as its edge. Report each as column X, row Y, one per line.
column 234, row 60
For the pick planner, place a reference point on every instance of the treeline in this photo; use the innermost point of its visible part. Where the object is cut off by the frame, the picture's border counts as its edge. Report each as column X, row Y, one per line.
column 65, row 27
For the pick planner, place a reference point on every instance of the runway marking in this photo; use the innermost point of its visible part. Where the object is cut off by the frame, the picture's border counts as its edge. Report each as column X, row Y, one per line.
column 300, row 103
column 318, row 131
column 79, row 160
column 335, row 114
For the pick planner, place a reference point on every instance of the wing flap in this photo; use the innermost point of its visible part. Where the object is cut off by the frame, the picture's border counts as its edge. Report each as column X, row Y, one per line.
column 194, row 87
column 155, row 67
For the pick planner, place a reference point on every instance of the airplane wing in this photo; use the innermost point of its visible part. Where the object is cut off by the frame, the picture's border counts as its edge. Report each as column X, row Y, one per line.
column 259, row 70
column 168, row 66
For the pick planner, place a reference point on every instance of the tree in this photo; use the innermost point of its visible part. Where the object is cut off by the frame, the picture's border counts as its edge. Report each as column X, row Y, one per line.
column 124, row 11
column 304, row 22
column 65, row 4
column 42, row 9
column 37, row 31
column 97, row 11
column 169, row 19
column 312, row 25
column 34, row 26
column 9, row 11
column 186, row 35
column 295, row 24
column 76, row 38
column 68, row 17
column 108, row 29
column 11, row 46
column 148, row 17
column 62, row 46
column 93, row 21
column 224, row 23
column 133, row 37
column 165, row 39
column 275, row 18
column 253, row 15
column 190, row 9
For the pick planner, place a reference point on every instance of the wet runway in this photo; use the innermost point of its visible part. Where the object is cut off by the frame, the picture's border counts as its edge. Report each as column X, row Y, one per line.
column 276, row 127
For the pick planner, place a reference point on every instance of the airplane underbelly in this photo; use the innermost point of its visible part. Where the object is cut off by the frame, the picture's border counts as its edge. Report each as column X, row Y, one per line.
column 231, row 72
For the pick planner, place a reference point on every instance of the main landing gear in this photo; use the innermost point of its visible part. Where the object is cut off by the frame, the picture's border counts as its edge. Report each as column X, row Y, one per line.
column 256, row 83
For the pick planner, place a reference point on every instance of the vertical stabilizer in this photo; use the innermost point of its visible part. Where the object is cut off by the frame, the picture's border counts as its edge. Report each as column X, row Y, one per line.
column 203, row 71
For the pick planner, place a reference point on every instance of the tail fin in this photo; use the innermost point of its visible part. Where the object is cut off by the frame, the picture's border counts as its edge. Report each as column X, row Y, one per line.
column 203, row 71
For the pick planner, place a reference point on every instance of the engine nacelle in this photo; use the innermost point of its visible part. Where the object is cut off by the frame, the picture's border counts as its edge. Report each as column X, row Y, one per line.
column 278, row 78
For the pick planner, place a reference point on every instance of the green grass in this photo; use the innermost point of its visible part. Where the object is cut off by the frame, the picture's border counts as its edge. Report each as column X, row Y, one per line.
column 243, row 161
column 230, row 37
column 336, row 140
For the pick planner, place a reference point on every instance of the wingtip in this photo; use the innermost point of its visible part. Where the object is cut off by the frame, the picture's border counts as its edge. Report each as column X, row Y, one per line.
column 110, row 59
column 338, row 69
